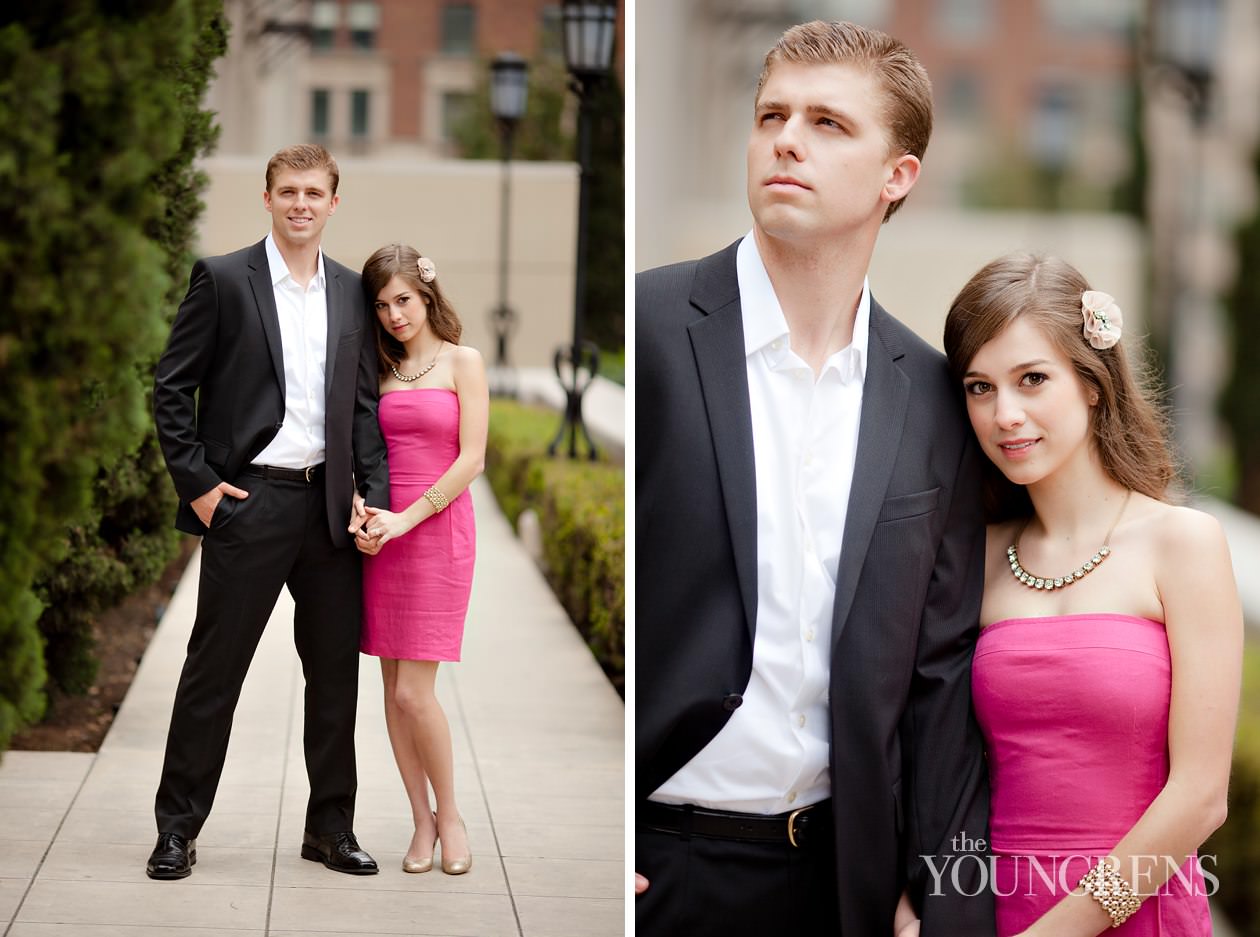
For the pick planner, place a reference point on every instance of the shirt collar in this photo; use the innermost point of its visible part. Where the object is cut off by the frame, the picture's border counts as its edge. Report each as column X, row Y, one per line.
column 280, row 270
column 764, row 323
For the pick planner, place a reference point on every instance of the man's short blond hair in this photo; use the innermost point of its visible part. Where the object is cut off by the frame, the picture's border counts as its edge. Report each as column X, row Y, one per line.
column 300, row 157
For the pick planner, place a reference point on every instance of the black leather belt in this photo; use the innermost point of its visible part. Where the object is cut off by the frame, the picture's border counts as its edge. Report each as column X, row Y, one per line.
column 804, row 827
column 307, row 476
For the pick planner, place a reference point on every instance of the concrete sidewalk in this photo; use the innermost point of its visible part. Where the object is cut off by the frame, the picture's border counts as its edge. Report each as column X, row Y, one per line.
column 538, row 735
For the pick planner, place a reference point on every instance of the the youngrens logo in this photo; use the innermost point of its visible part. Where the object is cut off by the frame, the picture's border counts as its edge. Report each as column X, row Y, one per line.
column 974, row 871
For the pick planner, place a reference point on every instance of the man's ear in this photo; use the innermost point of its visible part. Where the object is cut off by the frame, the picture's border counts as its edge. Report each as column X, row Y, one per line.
column 903, row 172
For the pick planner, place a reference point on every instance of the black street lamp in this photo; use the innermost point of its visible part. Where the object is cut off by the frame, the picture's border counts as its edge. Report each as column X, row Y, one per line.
column 509, row 85
column 1185, row 40
column 1187, row 35
column 590, row 29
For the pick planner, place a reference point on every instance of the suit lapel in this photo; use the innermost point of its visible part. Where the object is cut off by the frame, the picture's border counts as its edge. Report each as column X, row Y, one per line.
column 717, row 341
column 265, row 298
column 885, row 395
column 336, row 318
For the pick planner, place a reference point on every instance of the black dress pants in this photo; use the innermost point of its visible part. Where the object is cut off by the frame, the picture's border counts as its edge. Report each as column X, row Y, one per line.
column 701, row 887
column 277, row 536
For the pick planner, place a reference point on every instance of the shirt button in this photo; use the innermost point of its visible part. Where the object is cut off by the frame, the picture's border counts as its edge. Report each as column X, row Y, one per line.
column 809, row 635
column 800, row 720
column 809, row 458
column 791, row 798
column 776, row 345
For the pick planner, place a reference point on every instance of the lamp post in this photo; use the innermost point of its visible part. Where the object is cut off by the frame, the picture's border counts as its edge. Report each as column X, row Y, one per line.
column 1186, row 37
column 509, row 85
column 589, row 30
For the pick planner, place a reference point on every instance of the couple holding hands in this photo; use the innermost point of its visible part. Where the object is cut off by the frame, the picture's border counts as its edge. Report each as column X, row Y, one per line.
column 302, row 407
column 924, row 643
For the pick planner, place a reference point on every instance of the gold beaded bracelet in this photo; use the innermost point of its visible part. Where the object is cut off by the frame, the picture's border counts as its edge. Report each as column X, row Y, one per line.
column 437, row 499
column 1110, row 889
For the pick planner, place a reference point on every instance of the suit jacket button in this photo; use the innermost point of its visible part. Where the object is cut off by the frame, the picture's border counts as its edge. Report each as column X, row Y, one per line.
column 732, row 702
column 279, row 426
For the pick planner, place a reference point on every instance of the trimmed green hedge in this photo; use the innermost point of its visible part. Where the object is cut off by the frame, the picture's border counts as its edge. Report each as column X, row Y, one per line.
column 1236, row 845
column 581, row 510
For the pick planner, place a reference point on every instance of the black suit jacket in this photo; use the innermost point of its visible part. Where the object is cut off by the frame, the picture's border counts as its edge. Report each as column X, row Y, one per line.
column 907, row 764
column 218, row 396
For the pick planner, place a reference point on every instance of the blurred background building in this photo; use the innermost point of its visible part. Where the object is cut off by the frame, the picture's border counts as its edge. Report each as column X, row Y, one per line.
column 1064, row 126
column 397, row 89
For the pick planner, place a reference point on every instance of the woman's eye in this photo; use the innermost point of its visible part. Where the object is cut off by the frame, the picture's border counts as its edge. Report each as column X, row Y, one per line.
column 1035, row 378
column 976, row 388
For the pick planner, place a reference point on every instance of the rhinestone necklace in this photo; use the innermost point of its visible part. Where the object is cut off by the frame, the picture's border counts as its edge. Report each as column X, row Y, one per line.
column 408, row 378
column 1059, row 582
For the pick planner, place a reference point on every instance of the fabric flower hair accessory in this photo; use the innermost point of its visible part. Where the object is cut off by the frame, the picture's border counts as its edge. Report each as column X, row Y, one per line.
column 1103, row 319
column 427, row 270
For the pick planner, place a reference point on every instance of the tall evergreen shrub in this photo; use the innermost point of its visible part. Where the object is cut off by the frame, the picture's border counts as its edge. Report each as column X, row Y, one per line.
column 99, row 102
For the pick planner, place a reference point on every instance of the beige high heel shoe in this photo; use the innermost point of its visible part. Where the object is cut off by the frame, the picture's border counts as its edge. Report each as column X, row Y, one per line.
column 458, row 866
column 421, row 865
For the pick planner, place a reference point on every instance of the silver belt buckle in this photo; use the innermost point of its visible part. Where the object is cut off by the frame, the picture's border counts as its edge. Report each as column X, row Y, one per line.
column 310, row 470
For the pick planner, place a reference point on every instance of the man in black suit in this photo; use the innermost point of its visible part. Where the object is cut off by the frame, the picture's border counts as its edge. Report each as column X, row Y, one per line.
column 809, row 546
column 265, row 402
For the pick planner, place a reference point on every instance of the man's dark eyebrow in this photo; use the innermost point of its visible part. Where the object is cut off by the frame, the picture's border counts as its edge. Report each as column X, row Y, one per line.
column 821, row 110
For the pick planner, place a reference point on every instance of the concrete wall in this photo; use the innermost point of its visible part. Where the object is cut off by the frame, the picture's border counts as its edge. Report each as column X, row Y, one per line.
column 449, row 211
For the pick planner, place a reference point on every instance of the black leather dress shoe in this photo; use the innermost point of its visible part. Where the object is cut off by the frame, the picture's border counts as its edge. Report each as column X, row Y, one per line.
column 173, row 857
column 339, row 852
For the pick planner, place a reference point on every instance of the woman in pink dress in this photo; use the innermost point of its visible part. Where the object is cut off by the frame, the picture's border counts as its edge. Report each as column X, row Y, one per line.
column 417, row 574
column 1107, row 672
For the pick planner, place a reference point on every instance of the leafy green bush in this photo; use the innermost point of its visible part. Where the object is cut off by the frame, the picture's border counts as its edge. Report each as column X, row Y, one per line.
column 581, row 511
column 1240, row 399
column 126, row 547
column 1236, row 845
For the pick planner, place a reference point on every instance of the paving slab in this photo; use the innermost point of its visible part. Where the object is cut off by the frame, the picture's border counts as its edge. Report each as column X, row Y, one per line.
column 538, row 736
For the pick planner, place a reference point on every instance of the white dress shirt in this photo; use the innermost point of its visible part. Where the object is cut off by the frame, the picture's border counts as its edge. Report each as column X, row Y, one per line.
column 304, row 340
column 772, row 755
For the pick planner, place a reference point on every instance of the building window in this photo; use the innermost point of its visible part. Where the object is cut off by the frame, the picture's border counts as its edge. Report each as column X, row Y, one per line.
column 873, row 13
column 455, row 105
column 1089, row 19
column 364, row 20
column 359, row 104
column 459, row 28
column 325, row 15
column 1053, row 126
column 551, row 33
column 319, row 114
column 962, row 97
column 966, row 20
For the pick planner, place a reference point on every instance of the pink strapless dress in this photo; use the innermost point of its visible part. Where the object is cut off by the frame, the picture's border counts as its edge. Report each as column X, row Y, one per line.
column 1074, row 710
column 415, row 591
